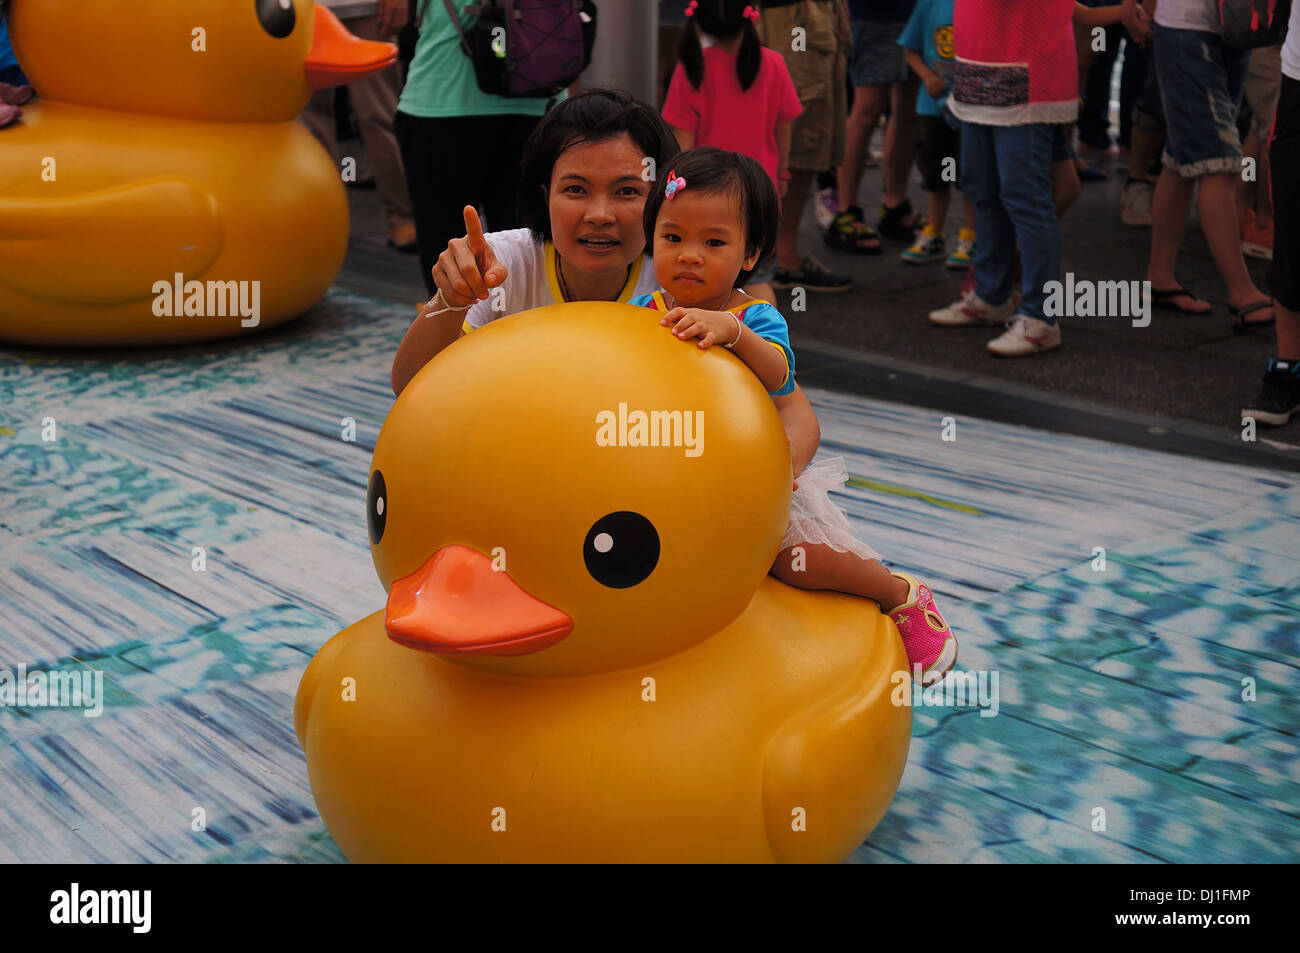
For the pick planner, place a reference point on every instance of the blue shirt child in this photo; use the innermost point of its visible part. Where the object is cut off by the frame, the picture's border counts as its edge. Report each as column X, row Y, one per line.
column 929, row 32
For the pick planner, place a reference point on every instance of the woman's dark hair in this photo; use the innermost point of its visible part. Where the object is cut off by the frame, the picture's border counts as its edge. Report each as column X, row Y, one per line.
column 595, row 115
column 722, row 20
column 710, row 171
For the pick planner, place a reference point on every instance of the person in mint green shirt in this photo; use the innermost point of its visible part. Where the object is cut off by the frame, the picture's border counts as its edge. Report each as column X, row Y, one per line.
column 460, row 146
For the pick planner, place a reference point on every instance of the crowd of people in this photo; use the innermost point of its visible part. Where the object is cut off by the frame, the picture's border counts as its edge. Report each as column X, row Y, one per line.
column 983, row 98
column 986, row 98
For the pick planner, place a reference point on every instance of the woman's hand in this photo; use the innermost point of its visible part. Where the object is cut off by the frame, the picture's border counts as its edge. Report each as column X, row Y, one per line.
column 711, row 327
column 468, row 268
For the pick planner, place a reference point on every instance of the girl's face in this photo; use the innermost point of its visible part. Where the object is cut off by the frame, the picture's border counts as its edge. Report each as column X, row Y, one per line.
column 596, row 199
column 700, row 247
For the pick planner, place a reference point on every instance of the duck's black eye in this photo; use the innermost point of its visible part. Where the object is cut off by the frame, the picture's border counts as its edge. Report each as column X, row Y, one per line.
column 377, row 507
column 277, row 17
column 621, row 549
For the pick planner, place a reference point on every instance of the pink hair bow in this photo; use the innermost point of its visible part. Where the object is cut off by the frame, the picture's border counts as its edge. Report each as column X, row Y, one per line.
column 675, row 184
column 690, row 8
column 749, row 13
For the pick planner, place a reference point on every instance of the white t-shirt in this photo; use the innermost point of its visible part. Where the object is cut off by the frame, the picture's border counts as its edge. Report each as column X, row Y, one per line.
column 1291, row 48
column 530, row 278
column 1189, row 15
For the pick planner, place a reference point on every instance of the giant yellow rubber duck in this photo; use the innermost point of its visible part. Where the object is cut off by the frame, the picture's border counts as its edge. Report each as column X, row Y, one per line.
column 160, row 191
column 583, row 658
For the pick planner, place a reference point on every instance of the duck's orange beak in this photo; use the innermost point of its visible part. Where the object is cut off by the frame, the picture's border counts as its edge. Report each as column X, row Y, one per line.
column 338, row 57
column 457, row 604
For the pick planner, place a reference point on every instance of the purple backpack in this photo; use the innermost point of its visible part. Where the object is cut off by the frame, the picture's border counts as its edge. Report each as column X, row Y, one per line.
column 1252, row 23
column 527, row 47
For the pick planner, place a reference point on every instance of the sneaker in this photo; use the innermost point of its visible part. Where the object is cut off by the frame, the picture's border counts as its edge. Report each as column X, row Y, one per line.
column 1135, row 205
column 1025, row 335
column 926, row 637
column 812, row 275
column 891, row 222
column 1256, row 242
column 963, row 256
column 1279, row 394
column 827, row 206
column 972, row 309
column 928, row 247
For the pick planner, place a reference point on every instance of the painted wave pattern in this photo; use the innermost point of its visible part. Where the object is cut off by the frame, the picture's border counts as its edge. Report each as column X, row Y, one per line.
column 1123, row 730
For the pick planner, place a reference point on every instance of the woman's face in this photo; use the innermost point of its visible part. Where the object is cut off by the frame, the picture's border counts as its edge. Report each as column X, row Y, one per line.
column 596, row 199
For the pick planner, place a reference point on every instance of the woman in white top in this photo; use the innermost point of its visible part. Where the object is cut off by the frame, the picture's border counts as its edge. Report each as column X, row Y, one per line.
column 584, row 179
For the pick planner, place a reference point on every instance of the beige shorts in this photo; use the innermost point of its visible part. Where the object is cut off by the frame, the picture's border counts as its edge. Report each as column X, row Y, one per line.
column 814, row 38
column 1263, row 87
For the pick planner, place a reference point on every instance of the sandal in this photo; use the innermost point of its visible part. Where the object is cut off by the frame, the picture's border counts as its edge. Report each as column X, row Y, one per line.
column 1163, row 299
column 1239, row 322
column 847, row 232
column 891, row 221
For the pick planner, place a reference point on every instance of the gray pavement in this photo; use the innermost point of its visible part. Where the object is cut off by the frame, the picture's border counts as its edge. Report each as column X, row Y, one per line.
column 1176, row 385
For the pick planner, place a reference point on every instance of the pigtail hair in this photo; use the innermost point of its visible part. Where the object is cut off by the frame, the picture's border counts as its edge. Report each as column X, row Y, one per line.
column 690, row 54
column 750, row 58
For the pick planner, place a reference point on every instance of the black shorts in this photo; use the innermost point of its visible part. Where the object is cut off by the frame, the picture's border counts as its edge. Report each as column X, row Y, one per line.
column 935, row 142
column 1284, row 158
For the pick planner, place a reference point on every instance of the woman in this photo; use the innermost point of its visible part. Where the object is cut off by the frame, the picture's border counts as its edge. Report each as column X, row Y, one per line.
column 585, row 175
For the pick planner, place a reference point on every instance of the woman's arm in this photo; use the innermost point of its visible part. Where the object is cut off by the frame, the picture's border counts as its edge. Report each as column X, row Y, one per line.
column 801, row 427
column 424, row 340
column 1097, row 16
column 464, row 274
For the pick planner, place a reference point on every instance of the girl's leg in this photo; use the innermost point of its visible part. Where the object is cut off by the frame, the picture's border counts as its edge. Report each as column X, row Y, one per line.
column 939, row 201
column 814, row 566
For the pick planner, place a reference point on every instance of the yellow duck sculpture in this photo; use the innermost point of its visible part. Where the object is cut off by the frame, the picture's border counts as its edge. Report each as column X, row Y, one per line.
column 583, row 658
column 160, row 191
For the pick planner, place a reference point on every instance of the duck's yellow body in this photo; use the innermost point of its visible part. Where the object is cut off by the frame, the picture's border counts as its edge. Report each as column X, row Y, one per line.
column 161, row 160
column 773, row 740
column 583, row 657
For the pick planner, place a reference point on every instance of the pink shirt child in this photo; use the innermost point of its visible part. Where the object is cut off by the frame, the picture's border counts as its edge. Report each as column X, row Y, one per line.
column 721, row 114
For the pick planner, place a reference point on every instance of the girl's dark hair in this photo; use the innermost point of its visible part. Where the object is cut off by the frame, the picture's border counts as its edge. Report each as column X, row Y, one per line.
column 710, row 171
column 722, row 20
column 595, row 115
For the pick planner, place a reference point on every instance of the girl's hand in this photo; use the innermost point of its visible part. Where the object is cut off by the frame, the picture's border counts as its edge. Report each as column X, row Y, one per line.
column 935, row 86
column 469, row 267
column 711, row 327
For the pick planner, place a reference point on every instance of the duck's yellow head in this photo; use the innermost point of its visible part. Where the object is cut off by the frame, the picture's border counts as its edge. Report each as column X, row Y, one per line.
column 218, row 60
column 574, row 490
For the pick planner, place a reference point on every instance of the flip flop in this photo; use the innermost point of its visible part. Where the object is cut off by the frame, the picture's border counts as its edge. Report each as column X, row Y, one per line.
column 848, row 234
column 1162, row 299
column 1239, row 321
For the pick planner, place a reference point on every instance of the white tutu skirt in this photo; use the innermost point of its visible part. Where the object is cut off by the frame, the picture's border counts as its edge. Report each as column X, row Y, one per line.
column 815, row 519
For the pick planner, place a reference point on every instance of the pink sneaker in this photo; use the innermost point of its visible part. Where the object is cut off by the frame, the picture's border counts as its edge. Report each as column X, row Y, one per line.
column 926, row 637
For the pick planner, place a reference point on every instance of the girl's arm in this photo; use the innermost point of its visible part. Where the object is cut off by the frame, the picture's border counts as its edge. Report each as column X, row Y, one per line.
column 1097, row 16
column 767, row 362
column 783, row 131
column 801, row 427
column 685, row 140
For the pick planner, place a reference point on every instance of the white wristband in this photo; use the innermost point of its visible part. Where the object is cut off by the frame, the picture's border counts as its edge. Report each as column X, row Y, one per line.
column 739, row 328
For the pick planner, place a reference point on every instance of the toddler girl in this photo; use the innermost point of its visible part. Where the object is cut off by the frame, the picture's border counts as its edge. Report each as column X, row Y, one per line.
column 713, row 220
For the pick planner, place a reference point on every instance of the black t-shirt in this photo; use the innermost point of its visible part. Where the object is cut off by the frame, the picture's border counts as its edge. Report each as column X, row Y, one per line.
column 895, row 11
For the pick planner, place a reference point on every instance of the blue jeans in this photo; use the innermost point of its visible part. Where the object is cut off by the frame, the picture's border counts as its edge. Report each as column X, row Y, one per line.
column 1006, row 172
